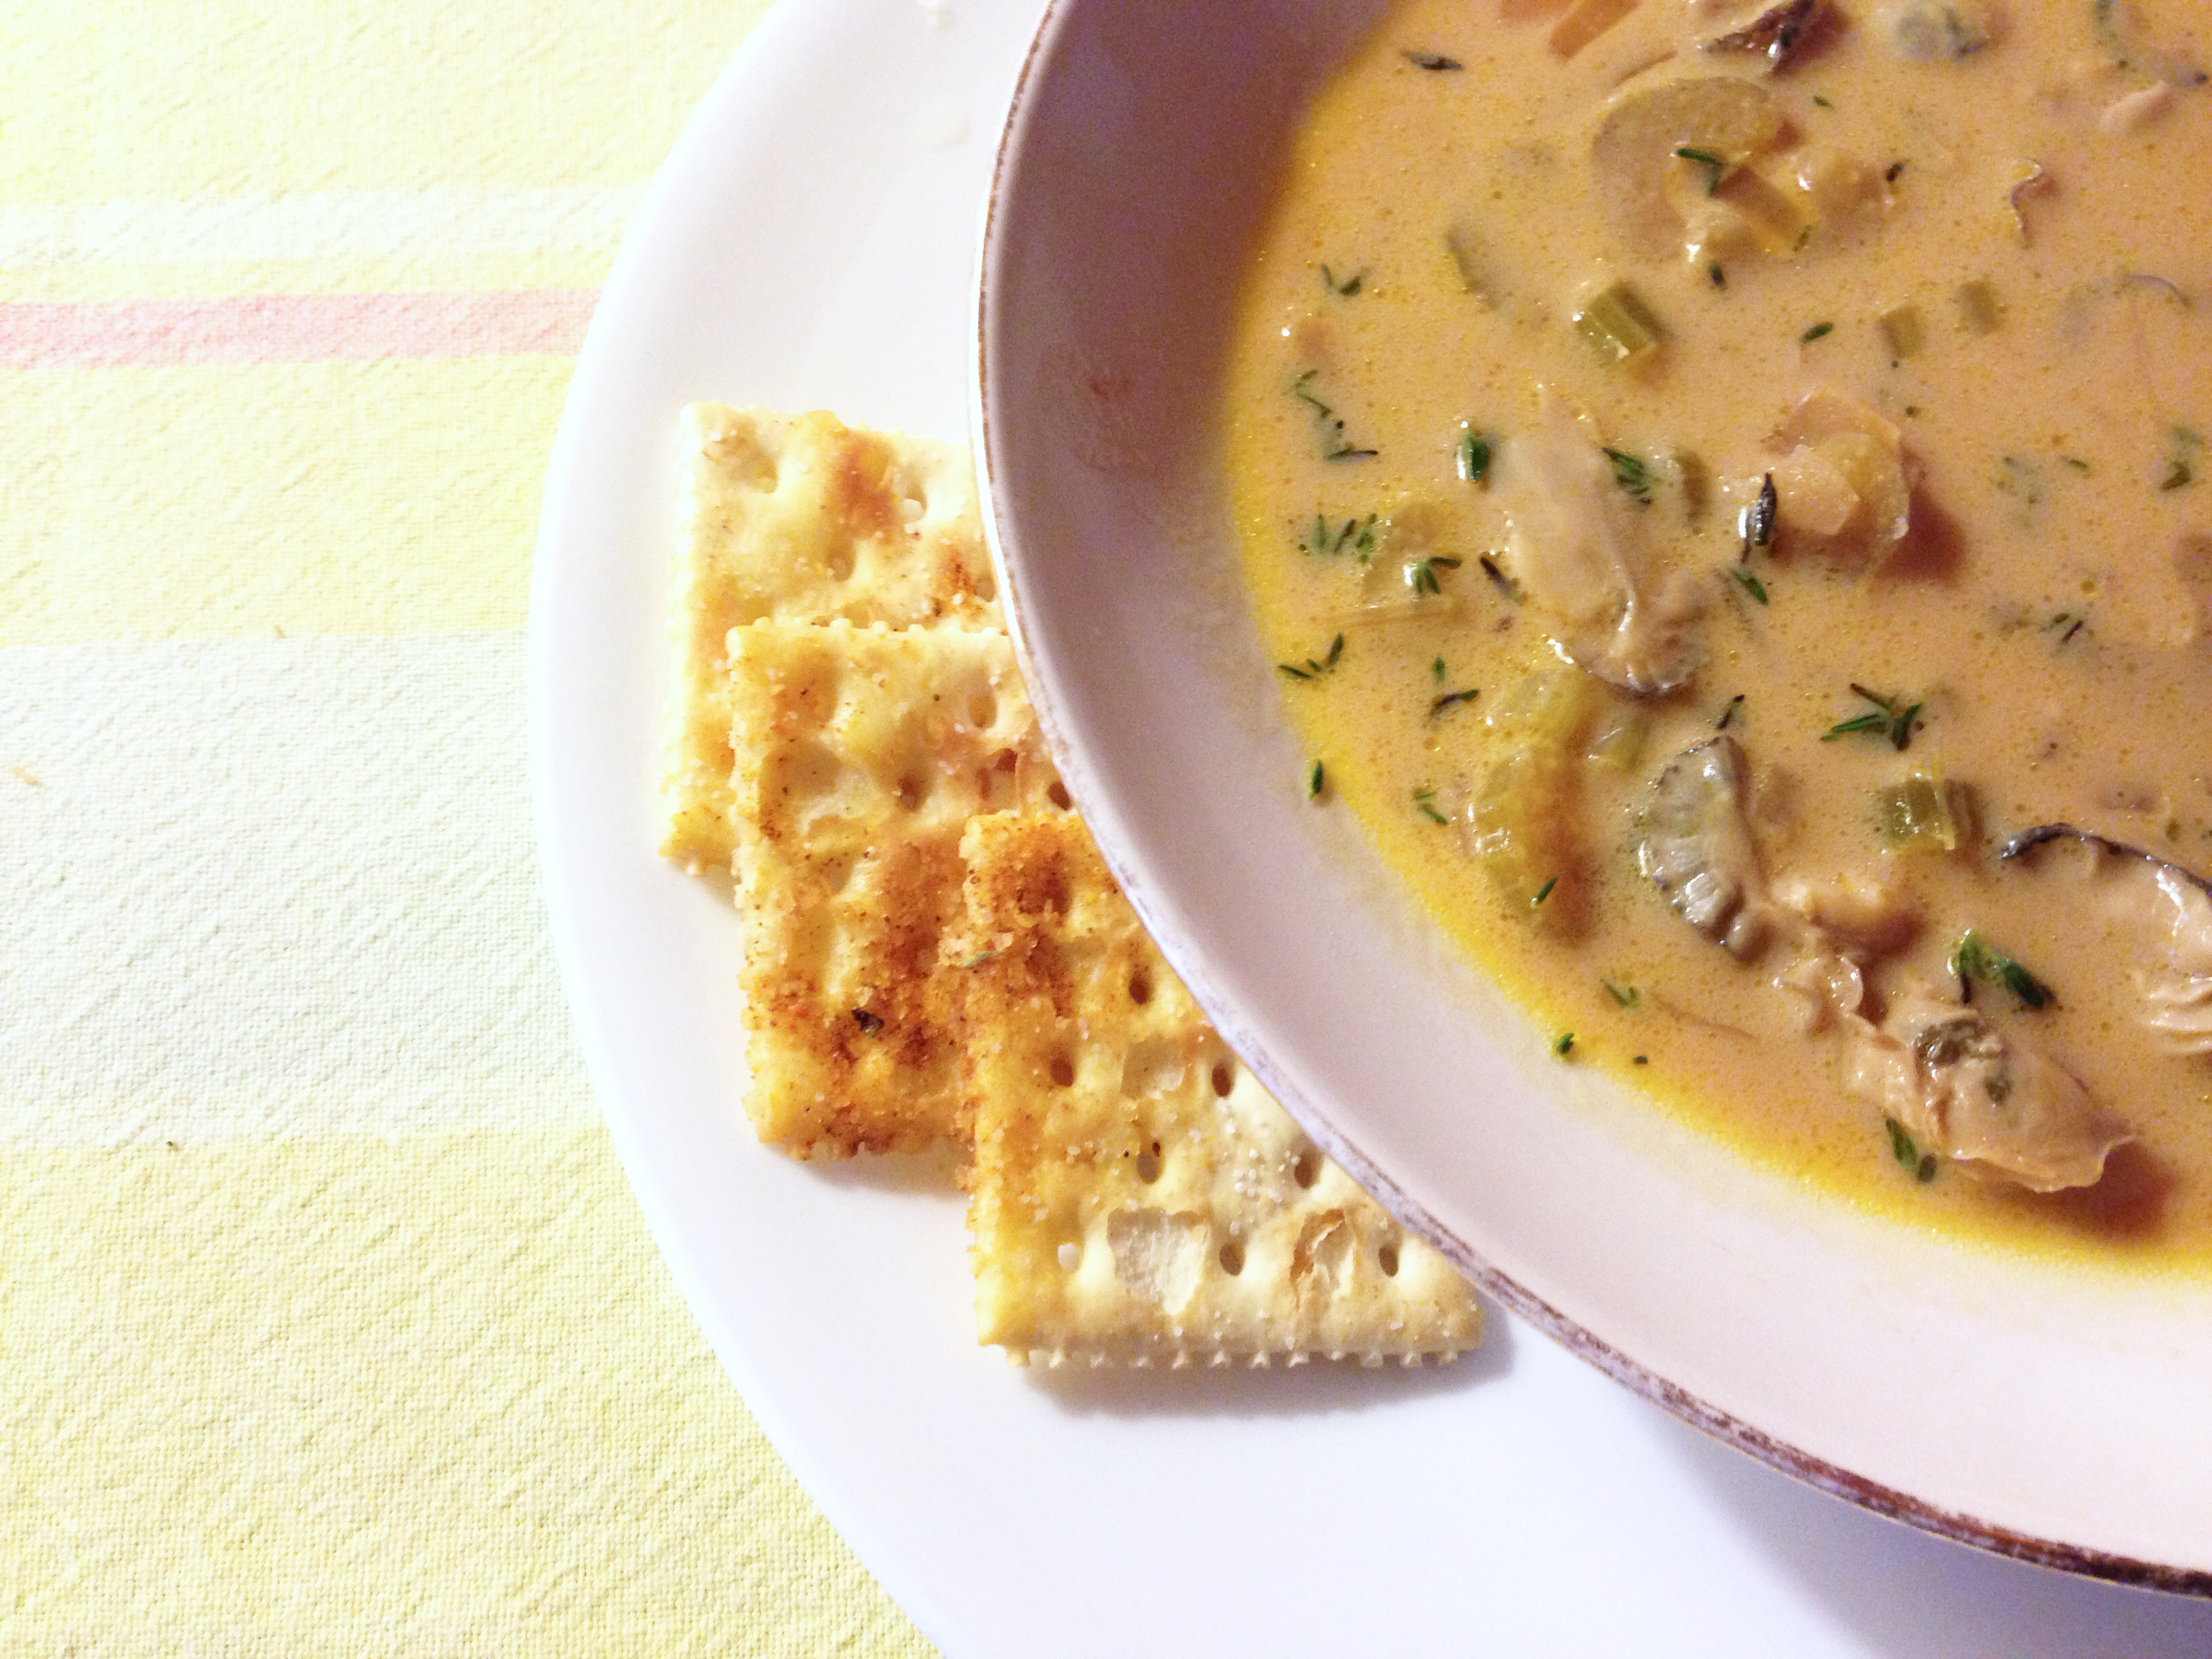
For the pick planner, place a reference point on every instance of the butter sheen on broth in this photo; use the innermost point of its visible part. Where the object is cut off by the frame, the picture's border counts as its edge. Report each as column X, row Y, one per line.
column 1515, row 356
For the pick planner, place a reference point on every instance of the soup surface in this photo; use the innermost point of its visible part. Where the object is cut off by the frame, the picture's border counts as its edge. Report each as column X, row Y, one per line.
column 1728, row 489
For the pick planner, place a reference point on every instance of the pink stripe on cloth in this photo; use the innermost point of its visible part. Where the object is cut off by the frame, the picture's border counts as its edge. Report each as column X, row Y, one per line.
column 294, row 328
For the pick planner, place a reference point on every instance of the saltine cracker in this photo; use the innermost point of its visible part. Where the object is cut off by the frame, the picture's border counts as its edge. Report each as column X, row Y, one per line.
column 799, row 518
column 863, row 753
column 1136, row 1195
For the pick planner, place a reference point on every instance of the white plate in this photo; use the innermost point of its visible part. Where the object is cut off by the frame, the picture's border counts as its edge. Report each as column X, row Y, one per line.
column 808, row 246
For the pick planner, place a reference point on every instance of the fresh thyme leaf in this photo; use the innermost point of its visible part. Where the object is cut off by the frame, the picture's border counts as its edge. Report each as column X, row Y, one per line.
column 1504, row 583
column 1435, row 62
column 1564, row 1042
column 1626, row 996
column 1437, row 671
column 1452, row 700
column 1314, row 781
column 1973, row 960
column 1749, row 583
column 1894, row 723
column 1716, row 169
column 1474, row 456
column 1727, row 715
column 1822, row 102
column 1632, row 473
column 1312, row 670
column 1544, row 892
column 1859, row 723
column 2177, row 475
column 1344, row 286
column 1425, row 801
column 1421, row 574
column 1817, row 331
column 1900, row 1144
column 1715, row 274
column 1335, row 447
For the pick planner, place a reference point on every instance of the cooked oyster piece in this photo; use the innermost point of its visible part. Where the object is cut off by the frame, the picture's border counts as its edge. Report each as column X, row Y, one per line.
column 2164, row 912
column 1694, row 843
column 1776, row 34
column 1990, row 1101
column 1577, row 551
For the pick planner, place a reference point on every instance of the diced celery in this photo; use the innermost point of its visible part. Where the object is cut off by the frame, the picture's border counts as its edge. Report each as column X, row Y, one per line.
column 1923, row 814
column 1901, row 331
column 1979, row 309
column 1522, row 816
column 1618, row 326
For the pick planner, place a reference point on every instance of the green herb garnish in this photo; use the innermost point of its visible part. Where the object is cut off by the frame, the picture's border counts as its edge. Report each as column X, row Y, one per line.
column 1473, row 455
column 1625, row 996
column 1891, row 722
column 1335, row 447
column 1421, row 574
column 1435, row 62
column 1923, row 1164
column 1564, row 1042
column 1817, row 331
column 1424, row 802
column 1314, row 781
column 1632, row 473
column 1544, row 892
column 1972, row 961
column 1311, row 670
column 1504, row 583
column 1452, row 700
column 1749, row 583
column 1716, row 169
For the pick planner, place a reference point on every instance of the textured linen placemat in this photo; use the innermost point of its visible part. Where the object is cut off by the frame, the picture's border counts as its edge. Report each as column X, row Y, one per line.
column 328, row 1324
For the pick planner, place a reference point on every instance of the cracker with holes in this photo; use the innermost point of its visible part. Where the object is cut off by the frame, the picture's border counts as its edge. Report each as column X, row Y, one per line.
column 799, row 518
column 863, row 753
column 1136, row 1195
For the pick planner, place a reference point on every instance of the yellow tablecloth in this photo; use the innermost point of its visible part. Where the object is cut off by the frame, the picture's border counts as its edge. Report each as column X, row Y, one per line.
column 328, row 1324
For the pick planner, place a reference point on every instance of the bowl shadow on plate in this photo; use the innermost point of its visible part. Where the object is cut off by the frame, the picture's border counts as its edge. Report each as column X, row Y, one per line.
column 1318, row 1388
column 1910, row 1594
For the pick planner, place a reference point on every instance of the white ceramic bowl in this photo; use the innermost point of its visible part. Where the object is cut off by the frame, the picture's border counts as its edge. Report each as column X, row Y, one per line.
column 2057, row 1415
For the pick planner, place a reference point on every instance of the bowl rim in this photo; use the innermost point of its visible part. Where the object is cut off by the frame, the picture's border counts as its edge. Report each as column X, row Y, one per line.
column 988, row 431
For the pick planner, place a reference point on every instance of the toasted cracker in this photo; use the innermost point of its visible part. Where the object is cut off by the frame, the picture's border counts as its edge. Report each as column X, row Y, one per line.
column 863, row 753
column 798, row 518
column 1136, row 1194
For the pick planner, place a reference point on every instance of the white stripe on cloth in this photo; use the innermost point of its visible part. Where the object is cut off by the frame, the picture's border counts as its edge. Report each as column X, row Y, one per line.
column 441, row 218
column 272, row 887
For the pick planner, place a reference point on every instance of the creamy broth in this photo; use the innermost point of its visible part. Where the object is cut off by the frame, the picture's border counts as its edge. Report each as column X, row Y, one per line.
column 1702, row 528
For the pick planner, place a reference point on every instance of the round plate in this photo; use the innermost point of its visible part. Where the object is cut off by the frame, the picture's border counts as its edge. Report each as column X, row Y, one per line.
column 809, row 244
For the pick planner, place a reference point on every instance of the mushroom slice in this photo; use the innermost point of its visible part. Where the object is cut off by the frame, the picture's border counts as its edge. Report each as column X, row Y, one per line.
column 1724, row 117
column 1577, row 551
column 1776, row 33
column 2165, row 912
column 1988, row 1101
column 1693, row 841
column 1935, row 31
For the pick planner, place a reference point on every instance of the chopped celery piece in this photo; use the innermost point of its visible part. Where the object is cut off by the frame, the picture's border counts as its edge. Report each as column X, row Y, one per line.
column 1522, row 815
column 1779, row 218
column 1901, row 331
column 1979, row 309
column 1921, row 815
column 1467, row 257
column 1618, row 326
